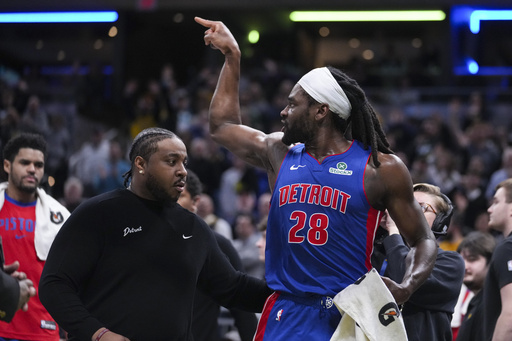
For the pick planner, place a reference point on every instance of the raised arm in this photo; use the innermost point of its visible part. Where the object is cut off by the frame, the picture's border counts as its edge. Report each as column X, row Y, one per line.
column 390, row 187
column 226, row 128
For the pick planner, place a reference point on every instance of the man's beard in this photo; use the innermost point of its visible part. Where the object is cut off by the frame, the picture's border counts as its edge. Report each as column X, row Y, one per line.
column 157, row 190
column 292, row 136
column 29, row 189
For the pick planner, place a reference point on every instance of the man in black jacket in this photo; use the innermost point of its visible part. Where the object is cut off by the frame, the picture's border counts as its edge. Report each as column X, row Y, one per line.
column 127, row 264
column 428, row 312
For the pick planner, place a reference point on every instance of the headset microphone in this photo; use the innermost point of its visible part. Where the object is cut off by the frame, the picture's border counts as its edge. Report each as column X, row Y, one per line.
column 442, row 221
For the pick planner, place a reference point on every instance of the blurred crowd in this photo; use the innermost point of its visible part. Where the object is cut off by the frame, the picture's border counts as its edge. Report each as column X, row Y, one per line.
column 455, row 145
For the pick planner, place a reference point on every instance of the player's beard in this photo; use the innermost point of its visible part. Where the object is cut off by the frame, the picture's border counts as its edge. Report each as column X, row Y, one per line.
column 294, row 134
column 30, row 189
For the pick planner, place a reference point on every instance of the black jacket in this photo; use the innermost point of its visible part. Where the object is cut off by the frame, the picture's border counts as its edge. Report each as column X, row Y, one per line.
column 133, row 265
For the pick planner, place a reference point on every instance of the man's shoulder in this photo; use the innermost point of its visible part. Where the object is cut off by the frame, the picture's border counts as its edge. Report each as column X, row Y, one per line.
column 107, row 199
column 451, row 256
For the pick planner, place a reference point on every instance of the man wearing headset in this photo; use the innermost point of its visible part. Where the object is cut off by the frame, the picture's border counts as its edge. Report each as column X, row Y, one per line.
column 428, row 312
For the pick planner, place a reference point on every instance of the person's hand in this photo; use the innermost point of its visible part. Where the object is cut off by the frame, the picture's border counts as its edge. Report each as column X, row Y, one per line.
column 218, row 36
column 27, row 290
column 400, row 294
column 108, row 336
column 388, row 224
column 12, row 268
column 111, row 336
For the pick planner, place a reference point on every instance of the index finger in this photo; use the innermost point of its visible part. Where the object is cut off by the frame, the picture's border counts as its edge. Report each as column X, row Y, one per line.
column 204, row 22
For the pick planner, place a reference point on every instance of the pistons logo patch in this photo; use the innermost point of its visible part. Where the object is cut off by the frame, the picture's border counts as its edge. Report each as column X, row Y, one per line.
column 56, row 217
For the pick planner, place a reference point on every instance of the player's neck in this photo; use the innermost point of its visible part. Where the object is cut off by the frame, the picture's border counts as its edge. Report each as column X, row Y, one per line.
column 324, row 147
column 20, row 196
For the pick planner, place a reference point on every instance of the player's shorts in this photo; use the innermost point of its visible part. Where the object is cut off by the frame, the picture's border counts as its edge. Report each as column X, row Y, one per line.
column 288, row 317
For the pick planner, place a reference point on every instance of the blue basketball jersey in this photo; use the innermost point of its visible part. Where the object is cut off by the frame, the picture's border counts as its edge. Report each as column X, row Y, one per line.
column 321, row 228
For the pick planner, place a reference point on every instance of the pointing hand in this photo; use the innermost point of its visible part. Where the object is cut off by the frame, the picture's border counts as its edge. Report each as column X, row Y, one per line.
column 218, row 36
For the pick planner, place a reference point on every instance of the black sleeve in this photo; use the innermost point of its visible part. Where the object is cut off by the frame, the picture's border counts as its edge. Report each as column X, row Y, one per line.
column 501, row 263
column 71, row 261
column 229, row 287
column 396, row 251
column 229, row 250
column 442, row 288
column 9, row 296
column 245, row 322
column 443, row 285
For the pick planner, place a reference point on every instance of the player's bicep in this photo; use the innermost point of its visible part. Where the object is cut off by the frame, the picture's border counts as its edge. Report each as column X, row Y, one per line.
column 401, row 204
column 249, row 144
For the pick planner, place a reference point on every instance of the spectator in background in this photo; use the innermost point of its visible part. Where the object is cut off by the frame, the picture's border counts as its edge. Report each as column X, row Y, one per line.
column 480, row 143
column 73, row 193
column 470, row 198
column 207, row 161
column 498, row 283
column 246, row 237
column 182, row 110
column 228, row 188
column 35, row 118
column 85, row 162
column 9, row 116
column 419, row 169
column 58, row 155
column 206, row 210
column 444, row 169
column 206, row 311
column 501, row 174
column 476, row 250
column 262, row 242
column 110, row 172
column 263, row 206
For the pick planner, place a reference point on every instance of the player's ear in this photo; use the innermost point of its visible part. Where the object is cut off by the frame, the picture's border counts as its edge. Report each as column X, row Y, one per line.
column 322, row 111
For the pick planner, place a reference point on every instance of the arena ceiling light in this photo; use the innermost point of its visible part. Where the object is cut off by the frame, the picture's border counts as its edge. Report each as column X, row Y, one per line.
column 58, row 17
column 347, row 16
column 469, row 41
column 487, row 14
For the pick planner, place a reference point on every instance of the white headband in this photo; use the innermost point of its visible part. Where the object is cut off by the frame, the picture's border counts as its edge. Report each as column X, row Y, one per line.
column 320, row 84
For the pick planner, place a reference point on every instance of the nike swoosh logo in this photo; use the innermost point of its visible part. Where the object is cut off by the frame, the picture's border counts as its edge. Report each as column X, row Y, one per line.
column 186, row 237
column 19, row 237
column 296, row 167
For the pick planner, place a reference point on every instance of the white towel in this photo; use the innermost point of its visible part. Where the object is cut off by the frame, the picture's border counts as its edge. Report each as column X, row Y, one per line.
column 50, row 216
column 369, row 312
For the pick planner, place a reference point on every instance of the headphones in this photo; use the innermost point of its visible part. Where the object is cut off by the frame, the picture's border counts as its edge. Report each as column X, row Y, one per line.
column 442, row 221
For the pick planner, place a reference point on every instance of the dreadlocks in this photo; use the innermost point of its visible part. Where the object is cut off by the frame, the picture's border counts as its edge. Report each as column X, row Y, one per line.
column 144, row 145
column 364, row 124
